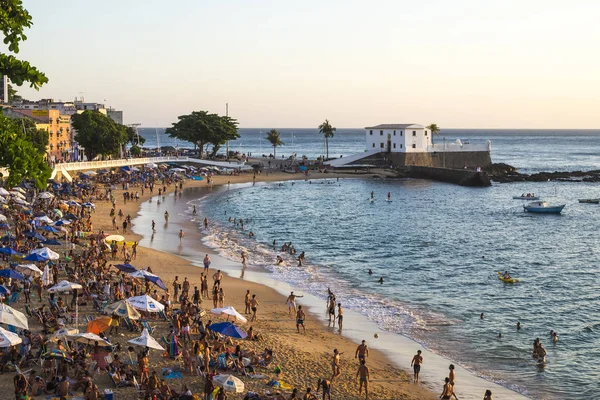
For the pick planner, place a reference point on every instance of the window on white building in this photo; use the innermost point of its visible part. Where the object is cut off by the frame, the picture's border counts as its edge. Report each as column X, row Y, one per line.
column 373, row 144
column 414, row 133
column 380, row 133
column 394, row 145
column 400, row 133
column 400, row 146
column 381, row 145
column 371, row 132
column 394, row 133
column 425, row 133
column 414, row 146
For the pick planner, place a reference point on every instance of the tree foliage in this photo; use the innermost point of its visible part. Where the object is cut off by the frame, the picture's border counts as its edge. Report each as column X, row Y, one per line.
column 98, row 134
column 14, row 19
column 21, row 155
column 328, row 131
column 133, row 137
column 274, row 137
column 202, row 128
column 38, row 137
column 434, row 129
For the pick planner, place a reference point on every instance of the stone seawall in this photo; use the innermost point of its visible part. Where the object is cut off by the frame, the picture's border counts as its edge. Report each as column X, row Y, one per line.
column 463, row 177
column 453, row 160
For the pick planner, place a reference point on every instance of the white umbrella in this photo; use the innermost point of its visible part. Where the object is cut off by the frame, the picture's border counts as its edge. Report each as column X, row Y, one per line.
column 2, row 217
column 149, row 165
column 47, row 253
column 4, row 192
column 89, row 338
column 145, row 303
column 123, row 309
column 17, row 195
column 46, row 278
column 115, row 238
column 62, row 332
column 177, row 170
column 44, row 219
column 229, row 311
column 90, row 173
column 146, row 341
column 45, row 195
column 29, row 269
column 2, row 199
column 21, row 202
column 64, row 286
column 8, row 338
column 229, row 383
column 10, row 316
column 19, row 189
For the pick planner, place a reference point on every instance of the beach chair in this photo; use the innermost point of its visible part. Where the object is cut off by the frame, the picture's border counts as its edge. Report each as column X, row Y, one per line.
column 140, row 392
column 109, row 359
column 14, row 297
column 28, row 310
column 146, row 325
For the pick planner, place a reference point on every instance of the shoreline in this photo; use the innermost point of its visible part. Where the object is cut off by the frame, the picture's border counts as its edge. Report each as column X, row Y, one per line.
column 357, row 326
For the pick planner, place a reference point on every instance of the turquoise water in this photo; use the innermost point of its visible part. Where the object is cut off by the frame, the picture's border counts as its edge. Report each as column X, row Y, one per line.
column 438, row 248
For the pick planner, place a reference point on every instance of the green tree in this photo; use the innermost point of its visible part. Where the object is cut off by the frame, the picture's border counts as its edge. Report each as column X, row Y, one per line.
column 98, row 134
column 327, row 130
column 38, row 137
column 132, row 136
column 274, row 137
column 434, row 130
column 135, row 150
column 20, row 155
column 202, row 129
column 14, row 19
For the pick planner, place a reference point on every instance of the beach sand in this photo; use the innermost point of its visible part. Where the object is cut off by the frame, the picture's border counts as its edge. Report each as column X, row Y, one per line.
column 302, row 358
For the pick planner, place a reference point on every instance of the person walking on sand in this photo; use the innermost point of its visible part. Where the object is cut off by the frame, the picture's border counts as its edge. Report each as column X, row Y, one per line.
column 448, row 391
column 335, row 365
column 181, row 235
column 451, row 374
column 291, row 302
column 300, row 316
column 217, row 277
column 253, row 306
column 206, row 263
column 416, row 364
column 340, row 316
column 247, row 302
column 363, row 374
column 362, row 351
column 326, row 386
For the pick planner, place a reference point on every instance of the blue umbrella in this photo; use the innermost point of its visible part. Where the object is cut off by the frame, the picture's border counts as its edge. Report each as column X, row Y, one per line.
column 128, row 268
column 52, row 242
column 10, row 273
column 50, row 229
column 4, row 226
column 4, row 290
column 35, row 235
column 61, row 223
column 35, row 257
column 228, row 329
column 9, row 236
column 157, row 281
column 9, row 251
column 70, row 216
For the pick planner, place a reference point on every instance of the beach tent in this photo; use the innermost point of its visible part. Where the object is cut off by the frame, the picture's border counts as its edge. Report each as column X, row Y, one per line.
column 62, row 221
column 145, row 340
column 46, row 253
column 145, row 303
column 229, row 383
column 11, row 273
column 29, row 269
column 123, row 309
column 35, row 258
column 228, row 329
column 143, row 274
column 10, row 316
column 230, row 312
column 8, row 338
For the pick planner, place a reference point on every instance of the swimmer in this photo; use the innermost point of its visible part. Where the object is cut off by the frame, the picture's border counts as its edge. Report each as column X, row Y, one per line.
column 251, row 234
column 500, row 335
column 518, row 326
column 181, row 235
column 194, row 211
column 279, row 260
column 389, row 196
column 481, row 316
column 370, row 271
column 555, row 337
column 380, row 280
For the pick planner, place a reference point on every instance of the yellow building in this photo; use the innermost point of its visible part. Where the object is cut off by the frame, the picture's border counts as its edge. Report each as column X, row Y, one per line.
column 58, row 126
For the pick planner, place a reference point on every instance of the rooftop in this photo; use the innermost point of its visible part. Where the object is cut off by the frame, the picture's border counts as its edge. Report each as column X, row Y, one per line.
column 395, row 126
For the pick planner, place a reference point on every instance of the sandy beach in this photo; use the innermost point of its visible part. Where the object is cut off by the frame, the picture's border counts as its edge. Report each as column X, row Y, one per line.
column 302, row 358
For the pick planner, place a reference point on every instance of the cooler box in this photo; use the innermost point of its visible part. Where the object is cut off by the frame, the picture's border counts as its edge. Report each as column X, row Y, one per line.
column 108, row 394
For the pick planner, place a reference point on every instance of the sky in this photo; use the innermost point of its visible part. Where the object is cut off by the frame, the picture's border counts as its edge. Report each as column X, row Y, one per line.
column 459, row 63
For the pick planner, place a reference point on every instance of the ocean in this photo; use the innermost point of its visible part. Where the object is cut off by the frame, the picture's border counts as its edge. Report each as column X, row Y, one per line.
column 439, row 248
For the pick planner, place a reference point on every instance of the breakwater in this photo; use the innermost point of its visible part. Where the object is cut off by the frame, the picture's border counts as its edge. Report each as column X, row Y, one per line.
column 463, row 177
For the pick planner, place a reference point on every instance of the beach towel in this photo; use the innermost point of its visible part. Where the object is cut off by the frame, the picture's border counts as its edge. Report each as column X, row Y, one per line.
column 172, row 375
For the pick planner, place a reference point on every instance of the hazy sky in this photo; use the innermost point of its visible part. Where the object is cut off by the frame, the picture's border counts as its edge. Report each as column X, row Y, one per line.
column 459, row 63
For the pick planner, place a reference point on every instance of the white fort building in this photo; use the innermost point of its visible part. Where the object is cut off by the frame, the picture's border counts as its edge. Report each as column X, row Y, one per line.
column 413, row 144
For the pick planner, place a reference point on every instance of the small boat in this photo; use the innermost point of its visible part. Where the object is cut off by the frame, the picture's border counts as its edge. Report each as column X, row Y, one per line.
column 507, row 280
column 526, row 197
column 590, row 201
column 543, row 207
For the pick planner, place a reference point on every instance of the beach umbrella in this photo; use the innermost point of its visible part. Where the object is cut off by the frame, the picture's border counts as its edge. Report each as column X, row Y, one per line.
column 143, row 274
column 35, row 235
column 18, row 195
column 145, row 340
column 11, row 273
column 21, row 202
column 4, row 291
column 4, row 192
column 45, row 195
column 9, row 251
column 9, row 236
column 228, row 329
column 4, row 225
column 8, row 338
column 50, row 229
column 2, row 199
column 114, row 238
column 89, row 204
column 29, row 269
column 229, row 383
column 88, row 338
column 44, row 219
column 10, row 316
column 64, row 286
column 46, row 278
column 35, row 258
column 230, row 312
column 123, row 309
column 56, row 355
column 145, row 303
column 62, row 332
column 19, row 189
column 73, row 203
column 52, row 242
column 89, row 173
column 62, row 222
column 98, row 325
column 47, row 253
column 127, row 268
column 151, row 165
column 3, row 217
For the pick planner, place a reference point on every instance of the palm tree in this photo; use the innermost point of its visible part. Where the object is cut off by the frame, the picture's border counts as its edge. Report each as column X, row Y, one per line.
column 434, row 130
column 327, row 130
column 274, row 136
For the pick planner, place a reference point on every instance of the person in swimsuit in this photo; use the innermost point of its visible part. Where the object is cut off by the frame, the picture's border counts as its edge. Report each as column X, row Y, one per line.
column 291, row 302
column 206, row 263
column 340, row 316
column 416, row 364
column 335, row 365
column 362, row 351
column 166, row 216
column 326, row 386
column 253, row 306
column 487, row 395
column 448, row 391
column 300, row 316
column 451, row 374
column 363, row 373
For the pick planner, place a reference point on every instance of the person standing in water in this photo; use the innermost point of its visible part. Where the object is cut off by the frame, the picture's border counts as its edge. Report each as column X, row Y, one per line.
column 194, row 212
column 181, row 235
column 340, row 316
column 372, row 196
column 205, row 223
column 389, row 196
column 166, row 216
column 153, row 226
column 416, row 364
